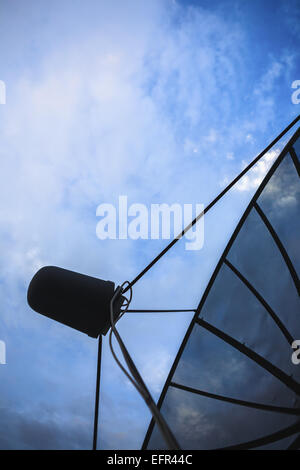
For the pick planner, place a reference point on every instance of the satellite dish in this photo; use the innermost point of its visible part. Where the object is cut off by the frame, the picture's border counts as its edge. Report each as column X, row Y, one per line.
column 233, row 383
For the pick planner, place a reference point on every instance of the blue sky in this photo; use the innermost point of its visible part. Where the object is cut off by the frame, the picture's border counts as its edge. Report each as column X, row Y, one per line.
column 163, row 101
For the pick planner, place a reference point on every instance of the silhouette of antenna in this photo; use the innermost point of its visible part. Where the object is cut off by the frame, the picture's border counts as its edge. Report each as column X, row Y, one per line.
column 233, row 374
column 93, row 306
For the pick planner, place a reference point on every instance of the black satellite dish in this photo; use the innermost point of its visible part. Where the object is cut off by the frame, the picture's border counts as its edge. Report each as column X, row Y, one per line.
column 233, row 384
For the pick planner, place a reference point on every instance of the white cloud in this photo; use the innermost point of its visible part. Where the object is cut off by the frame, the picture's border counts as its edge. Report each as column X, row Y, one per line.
column 255, row 176
column 212, row 136
column 155, row 369
column 249, row 138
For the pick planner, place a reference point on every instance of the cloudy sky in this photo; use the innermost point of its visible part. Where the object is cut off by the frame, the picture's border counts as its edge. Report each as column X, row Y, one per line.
column 161, row 101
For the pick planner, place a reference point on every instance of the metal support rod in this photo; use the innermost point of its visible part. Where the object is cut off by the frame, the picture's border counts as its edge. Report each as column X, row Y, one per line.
column 161, row 311
column 97, row 393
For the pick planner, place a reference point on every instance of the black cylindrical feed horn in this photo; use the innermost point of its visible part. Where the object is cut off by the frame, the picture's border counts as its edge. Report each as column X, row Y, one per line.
column 79, row 301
